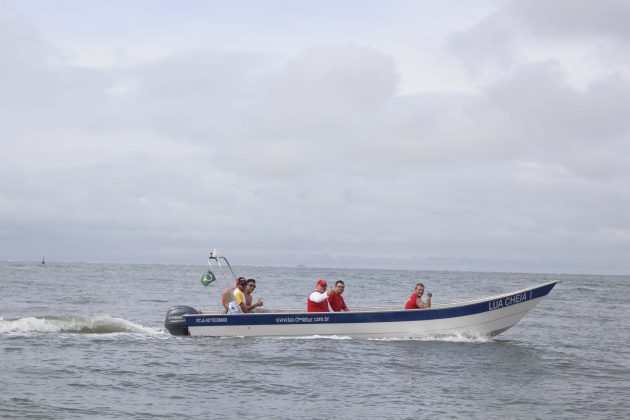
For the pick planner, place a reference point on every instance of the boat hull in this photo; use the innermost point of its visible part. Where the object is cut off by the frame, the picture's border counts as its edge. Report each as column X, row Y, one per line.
column 485, row 317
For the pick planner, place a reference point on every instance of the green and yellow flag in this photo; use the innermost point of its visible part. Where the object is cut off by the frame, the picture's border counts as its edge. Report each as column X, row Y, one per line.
column 208, row 278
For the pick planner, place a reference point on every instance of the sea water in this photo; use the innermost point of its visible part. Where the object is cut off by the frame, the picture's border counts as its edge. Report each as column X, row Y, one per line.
column 88, row 341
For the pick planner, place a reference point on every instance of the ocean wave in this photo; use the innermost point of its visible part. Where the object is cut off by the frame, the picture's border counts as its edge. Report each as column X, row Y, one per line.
column 78, row 324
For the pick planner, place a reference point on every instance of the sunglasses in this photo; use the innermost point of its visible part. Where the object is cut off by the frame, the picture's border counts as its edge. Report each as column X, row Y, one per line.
column 253, row 286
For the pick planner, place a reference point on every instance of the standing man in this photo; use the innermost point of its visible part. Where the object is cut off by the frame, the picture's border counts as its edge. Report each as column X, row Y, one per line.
column 335, row 299
column 318, row 300
column 415, row 302
column 249, row 289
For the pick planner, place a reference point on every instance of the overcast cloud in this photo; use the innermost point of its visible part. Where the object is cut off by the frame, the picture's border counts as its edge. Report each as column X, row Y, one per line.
column 491, row 136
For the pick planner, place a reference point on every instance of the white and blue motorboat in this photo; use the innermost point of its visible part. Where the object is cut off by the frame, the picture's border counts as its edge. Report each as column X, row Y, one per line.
column 478, row 318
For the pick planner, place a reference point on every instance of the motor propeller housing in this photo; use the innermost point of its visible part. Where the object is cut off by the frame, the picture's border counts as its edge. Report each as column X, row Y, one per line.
column 175, row 322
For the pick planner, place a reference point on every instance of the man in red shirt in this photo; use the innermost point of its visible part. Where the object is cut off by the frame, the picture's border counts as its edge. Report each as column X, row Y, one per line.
column 318, row 299
column 335, row 299
column 415, row 301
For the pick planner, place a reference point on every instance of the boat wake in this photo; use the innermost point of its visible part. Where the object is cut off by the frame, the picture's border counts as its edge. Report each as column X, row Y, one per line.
column 77, row 324
column 451, row 338
column 314, row 337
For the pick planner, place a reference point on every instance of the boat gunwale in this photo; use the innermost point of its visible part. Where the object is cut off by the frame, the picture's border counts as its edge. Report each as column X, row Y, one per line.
column 380, row 309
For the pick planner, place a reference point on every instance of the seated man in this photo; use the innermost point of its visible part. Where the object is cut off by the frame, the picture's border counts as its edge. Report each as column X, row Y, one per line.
column 237, row 305
column 228, row 295
column 318, row 299
column 249, row 289
column 336, row 301
column 415, row 302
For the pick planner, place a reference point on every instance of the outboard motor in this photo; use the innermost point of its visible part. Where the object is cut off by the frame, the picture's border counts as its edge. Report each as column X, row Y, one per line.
column 175, row 322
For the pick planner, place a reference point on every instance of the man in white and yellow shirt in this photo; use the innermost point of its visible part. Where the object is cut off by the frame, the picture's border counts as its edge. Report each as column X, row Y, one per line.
column 237, row 306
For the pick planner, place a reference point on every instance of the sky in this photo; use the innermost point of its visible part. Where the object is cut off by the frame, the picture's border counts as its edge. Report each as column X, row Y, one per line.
column 430, row 135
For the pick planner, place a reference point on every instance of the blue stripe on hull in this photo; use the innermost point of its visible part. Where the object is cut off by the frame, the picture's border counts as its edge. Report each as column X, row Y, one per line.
column 297, row 318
